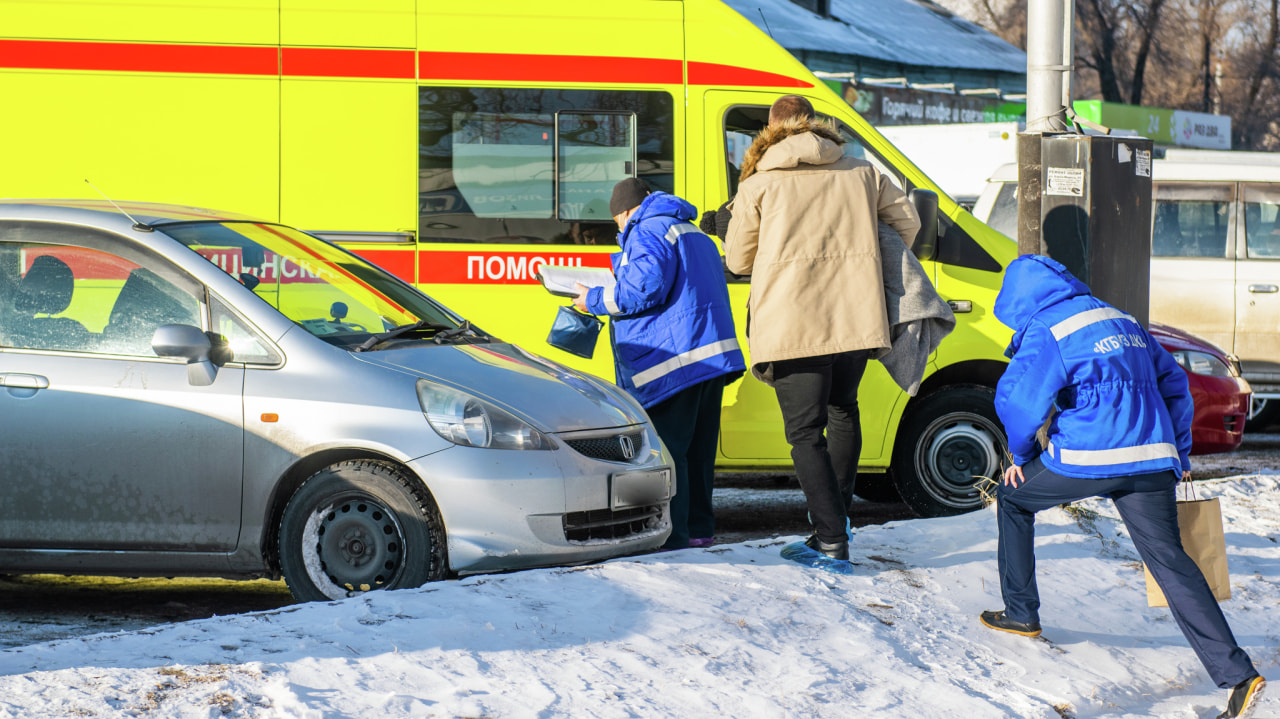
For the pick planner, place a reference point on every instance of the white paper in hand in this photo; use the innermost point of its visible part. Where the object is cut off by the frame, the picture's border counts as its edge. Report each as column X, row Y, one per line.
column 560, row 280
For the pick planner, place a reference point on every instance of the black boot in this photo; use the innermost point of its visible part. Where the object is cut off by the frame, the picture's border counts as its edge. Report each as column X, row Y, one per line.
column 1244, row 698
column 997, row 620
column 835, row 550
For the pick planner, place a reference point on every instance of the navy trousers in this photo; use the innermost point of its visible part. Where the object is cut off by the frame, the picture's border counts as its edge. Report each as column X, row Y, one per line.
column 1148, row 507
column 689, row 424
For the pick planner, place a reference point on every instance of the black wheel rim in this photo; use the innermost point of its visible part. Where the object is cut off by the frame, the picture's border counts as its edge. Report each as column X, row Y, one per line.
column 359, row 545
column 955, row 452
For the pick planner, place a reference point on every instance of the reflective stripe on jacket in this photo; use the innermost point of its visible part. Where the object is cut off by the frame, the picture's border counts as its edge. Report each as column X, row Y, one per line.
column 1122, row 403
column 672, row 326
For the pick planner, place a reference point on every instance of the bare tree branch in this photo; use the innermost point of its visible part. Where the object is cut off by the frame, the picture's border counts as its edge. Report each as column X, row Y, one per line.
column 1148, row 25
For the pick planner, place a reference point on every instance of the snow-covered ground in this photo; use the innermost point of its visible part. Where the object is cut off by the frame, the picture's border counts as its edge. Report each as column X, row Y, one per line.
column 730, row 631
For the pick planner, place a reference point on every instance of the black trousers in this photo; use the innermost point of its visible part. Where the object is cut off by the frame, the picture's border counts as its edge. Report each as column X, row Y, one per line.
column 819, row 401
column 689, row 424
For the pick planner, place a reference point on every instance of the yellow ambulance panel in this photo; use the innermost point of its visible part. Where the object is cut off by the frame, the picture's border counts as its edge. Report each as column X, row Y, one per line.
column 463, row 146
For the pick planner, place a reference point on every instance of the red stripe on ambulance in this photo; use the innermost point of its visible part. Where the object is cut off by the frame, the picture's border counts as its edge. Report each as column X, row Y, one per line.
column 497, row 268
column 511, row 67
column 325, row 62
column 269, row 60
column 140, row 57
column 710, row 73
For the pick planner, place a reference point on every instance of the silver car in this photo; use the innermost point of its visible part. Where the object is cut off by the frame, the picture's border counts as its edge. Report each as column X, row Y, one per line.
column 184, row 392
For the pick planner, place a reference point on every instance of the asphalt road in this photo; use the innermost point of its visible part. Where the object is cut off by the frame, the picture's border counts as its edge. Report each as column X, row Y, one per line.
column 35, row 608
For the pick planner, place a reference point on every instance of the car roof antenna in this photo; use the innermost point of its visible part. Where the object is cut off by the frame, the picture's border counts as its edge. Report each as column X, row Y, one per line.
column 140, row 227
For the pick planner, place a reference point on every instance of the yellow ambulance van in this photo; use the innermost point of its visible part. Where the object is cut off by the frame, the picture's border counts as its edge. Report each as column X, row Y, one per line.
column 461, row 146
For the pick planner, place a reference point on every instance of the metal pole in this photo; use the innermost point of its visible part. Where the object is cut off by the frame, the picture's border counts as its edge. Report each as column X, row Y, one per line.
column 1048, row 62
column 1049, row 58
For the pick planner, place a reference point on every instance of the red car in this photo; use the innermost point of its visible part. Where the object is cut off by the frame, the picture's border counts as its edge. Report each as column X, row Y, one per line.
column 1220, row 394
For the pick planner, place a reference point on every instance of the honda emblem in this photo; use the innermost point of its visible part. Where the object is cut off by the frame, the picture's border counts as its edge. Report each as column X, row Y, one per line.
column 628, row 447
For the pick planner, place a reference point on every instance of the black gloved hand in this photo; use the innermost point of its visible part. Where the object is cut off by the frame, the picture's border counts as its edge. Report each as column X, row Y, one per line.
column 722, row 221
column 716, row 222
column 708, row 223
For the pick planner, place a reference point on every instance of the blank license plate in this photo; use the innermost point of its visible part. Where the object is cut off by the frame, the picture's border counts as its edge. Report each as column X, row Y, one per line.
column 632, row 489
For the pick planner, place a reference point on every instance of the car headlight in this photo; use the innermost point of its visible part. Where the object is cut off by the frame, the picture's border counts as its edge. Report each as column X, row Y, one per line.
column 1202, row 363
column 473, row 422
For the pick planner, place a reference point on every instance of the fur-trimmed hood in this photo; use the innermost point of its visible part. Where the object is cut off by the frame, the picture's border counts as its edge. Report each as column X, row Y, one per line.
column 823, row 147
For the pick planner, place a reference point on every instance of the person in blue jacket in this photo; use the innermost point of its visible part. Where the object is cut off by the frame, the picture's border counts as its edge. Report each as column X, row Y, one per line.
column 674, row 343
column 1117, row 410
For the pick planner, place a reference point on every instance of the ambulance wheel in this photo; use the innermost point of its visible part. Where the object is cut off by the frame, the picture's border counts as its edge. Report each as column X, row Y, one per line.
column 357, row 526
column 947, row 443
column 876, row 488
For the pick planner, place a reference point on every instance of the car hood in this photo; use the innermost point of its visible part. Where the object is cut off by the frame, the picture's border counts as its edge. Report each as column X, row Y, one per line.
column 548, row 395
column 1172, row 338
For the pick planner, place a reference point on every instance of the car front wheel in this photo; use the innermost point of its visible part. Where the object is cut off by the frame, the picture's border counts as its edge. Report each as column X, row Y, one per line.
column 1263, row 413
column 948, row 442
column 357, row 526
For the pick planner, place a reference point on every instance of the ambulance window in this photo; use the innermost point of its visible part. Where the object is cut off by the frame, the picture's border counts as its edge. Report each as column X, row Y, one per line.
column 502, row 163
column 853, row 147
column 743, row 123
column 536, row 166
column 594, row 153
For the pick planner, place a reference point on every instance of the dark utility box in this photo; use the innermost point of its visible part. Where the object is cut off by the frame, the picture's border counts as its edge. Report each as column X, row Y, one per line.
column 1095, row 214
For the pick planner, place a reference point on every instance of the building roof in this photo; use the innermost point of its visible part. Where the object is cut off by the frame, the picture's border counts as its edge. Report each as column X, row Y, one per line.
column 910, row 32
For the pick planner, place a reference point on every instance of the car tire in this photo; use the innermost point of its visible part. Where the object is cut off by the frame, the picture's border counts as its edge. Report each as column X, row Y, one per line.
column 947, row 443
column 1263, row 414
column 357, row 526
column 876, row 488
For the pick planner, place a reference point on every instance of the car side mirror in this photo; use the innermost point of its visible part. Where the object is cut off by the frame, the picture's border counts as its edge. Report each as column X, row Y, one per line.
column 189, row 343
column 925, row 245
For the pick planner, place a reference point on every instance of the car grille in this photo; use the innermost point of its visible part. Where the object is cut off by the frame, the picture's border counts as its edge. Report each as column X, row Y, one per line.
column 611, row 523
column 611, row 448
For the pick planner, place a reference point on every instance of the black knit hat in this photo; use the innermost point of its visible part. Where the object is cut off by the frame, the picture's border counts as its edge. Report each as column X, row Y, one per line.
column 627, row 194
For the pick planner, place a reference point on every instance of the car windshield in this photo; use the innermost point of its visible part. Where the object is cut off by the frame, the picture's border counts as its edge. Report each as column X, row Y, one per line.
column 331, row 293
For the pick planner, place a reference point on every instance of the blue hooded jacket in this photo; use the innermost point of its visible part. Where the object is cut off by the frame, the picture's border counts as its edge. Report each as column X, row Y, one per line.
column 1123, row 403
column 672, row 326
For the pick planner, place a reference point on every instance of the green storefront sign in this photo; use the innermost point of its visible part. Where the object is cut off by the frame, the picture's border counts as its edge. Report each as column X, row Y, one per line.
column 1153, row 122
column 893, row 105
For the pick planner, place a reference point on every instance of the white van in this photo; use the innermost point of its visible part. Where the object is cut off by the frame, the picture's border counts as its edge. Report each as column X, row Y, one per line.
column 1215, row 255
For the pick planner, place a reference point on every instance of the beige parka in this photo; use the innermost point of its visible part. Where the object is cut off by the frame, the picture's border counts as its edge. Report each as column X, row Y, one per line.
column 805, row 228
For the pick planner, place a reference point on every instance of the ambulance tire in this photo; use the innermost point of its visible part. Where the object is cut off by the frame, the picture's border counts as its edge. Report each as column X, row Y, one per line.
column 357, row 526
column 876, row 487
column 948, row 443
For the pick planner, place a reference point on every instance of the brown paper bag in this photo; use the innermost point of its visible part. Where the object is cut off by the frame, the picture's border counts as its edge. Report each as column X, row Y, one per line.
column 1200, row 524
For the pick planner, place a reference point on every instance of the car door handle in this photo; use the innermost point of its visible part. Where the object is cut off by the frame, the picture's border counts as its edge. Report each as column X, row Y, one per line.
column 1264, row 289
column 24, row 381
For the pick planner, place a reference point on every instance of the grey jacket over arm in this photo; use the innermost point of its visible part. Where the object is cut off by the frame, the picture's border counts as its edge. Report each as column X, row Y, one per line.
column 918, row 317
